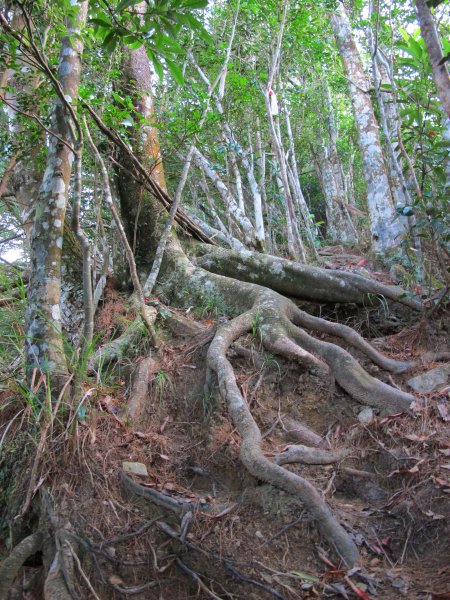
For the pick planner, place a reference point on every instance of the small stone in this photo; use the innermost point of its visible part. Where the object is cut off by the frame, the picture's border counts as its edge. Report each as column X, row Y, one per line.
column 135, row 468
column 430, row 380
column 259, row 535
column 366, row 416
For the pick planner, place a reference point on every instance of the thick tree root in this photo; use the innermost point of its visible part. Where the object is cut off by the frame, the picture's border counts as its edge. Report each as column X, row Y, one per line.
column 352, row 337
column 310, row 456
column 300, row 433
column 251, row 453
column 11, row 566
column 298, row 280
column 277, row 322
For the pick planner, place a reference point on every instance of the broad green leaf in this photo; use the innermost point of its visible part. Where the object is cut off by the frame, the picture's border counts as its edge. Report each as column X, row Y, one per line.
column 175, row 71
column 193, row 4
column 110, row 41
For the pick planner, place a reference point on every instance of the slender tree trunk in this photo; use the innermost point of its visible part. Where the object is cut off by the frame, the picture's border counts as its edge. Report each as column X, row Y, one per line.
column 261, row 162
column 433, row 44
column 310, row 227
column 26, row 175
column 259, row 241
column 340, row 226
column 229, row 200
column 44, row 344
column 295, row 243
column 446, row 138
column 385, row 232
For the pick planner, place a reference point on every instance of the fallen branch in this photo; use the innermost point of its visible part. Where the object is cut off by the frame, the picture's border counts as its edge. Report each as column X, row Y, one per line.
column 139, row 390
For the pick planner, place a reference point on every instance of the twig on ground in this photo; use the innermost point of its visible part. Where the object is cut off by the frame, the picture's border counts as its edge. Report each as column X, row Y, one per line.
column 246, row 579
column 134, row 590
column 82, row 573
column 196, row 577
column 127, row 536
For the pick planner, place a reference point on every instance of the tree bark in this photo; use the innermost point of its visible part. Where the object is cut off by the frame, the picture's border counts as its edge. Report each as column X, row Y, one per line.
column 137, row 81
column 385, row 232
column 432, row 42
column 239, row 217
column 44, row 344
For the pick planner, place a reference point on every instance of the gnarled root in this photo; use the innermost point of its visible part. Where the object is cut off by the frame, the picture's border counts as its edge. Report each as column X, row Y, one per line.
column 11, row 566
column 251, row 454
column 278, row 322
column 297, row 280
column 273, row 315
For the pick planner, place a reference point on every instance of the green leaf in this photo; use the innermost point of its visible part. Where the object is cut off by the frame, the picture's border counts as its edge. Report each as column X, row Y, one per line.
column 126, row 4
column 110, row 41
column 175, row 71
column 101, row 22
column 193, row 4
column 132, row 42
column 156, row 63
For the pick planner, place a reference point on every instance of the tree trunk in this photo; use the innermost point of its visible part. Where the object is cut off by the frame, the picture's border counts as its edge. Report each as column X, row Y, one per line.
column 137, row 77
column 44, row 345
column 310, row 227
column 340, row 227
column 385, row 232
column 229, row 201
column 280, row 323
column 432, row 42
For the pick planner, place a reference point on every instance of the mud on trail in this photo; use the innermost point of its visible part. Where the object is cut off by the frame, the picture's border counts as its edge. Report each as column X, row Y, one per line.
column 208, row 529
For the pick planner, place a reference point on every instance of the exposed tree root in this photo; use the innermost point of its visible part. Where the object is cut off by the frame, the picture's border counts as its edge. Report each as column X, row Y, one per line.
column 310, row 456
column 278, row 323
column 298, row 280
column 300, row 433
column 11, row 566
column 117, row 349
column 59, row 583
column 178, row 506
column 251, row 453
column 139, row 389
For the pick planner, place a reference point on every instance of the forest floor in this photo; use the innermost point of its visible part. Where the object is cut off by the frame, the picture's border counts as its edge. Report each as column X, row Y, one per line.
column 392, row 491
